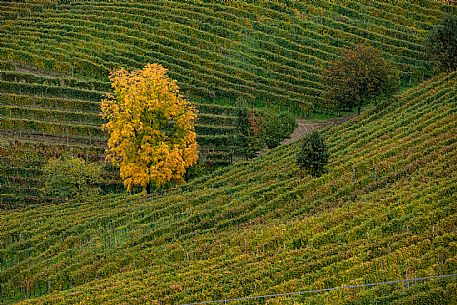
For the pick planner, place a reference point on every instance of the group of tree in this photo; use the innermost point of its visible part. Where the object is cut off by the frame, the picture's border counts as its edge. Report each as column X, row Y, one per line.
column 259, row 129
column 361, row 74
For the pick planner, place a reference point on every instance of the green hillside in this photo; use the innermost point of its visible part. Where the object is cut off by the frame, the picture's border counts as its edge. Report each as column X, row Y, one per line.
column 386, row 210
column 267, row 52
column 55, row 57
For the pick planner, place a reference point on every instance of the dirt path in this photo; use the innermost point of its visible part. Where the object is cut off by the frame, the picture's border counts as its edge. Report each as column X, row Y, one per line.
column 305, row 126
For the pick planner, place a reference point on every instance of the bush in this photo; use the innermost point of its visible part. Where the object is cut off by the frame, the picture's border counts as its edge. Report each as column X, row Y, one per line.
column 442, row 44
column 274, row 128
column 242, row 139
column 356, row 77
column 313, row 156
column 70, row 177
column 257, row 129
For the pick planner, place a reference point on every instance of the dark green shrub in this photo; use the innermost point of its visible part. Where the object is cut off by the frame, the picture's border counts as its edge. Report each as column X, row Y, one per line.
column 274, row 128
column 313, row 156
column 242, row 139
column 442, row 44
column 259, row 129
column 70, row 178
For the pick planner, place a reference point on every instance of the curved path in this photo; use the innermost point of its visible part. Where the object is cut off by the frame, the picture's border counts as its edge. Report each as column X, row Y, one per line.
column 305, row 126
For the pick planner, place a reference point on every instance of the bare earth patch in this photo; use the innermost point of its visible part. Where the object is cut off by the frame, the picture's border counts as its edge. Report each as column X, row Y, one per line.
column 305, row 126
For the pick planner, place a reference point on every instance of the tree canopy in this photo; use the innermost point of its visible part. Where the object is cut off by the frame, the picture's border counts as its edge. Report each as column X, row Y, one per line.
column 151, row 128
column 442, row 44
column 313, row 155
column 359, row 75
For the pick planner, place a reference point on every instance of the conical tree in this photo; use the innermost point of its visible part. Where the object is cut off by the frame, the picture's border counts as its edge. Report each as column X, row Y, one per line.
column 313, row 155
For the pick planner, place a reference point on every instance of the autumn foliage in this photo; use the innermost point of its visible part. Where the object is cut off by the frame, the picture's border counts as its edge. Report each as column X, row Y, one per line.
column 151, row 128
column 359, row 75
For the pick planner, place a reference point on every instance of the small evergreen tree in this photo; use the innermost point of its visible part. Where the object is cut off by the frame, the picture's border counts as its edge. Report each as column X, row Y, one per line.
column 313, row 156
column 442, row 44
column 242, row 139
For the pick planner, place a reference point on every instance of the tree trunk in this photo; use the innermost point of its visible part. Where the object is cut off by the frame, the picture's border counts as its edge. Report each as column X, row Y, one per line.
column 358, row 109
column 148, row 188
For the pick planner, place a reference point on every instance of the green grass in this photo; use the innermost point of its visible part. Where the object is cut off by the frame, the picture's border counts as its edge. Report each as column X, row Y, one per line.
column 384, row 211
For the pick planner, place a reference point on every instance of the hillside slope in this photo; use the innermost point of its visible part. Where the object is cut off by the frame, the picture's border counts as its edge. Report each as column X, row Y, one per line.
column 385, row 211
column 268, row 52
column 55, row 57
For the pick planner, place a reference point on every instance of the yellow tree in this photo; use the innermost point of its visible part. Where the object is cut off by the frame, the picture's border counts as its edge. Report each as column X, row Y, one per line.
column 150, row 126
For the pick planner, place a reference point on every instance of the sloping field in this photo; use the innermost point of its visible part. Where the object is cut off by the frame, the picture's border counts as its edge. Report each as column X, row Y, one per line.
column 51, row 114
column 268, row 52
column 386, row 210
column 55, row 57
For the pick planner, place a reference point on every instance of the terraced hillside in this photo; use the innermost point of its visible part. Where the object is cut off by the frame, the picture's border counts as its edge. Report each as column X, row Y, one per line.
column 43, row 115
column 67, row 108
column 269, row 52
column 55, row 57
column 384, row 211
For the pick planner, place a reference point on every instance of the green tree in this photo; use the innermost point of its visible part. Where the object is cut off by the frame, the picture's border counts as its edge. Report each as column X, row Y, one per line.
column 243, row 134
column 356, row 77
column 276, row 127
column 70, row 177
column 442, row 44
column 313, row 155
column 151, row 128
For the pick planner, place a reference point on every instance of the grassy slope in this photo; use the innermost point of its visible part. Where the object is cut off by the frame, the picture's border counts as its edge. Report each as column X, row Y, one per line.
column 386, row 210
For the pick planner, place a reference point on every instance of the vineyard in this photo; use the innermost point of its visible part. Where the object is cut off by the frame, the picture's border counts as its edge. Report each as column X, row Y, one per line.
column 384, row 211
column 269, row 53
column 55, row 57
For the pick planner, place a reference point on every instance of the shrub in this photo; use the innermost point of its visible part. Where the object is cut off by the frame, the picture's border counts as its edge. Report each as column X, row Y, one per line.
column 442, row 44
column 70, row 177
column 243, row 138
column 257, row 129
column 275, row 128
column 313, row 156
column 356, row 77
